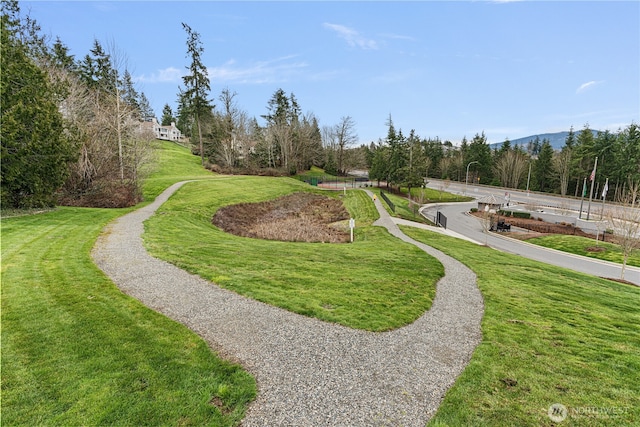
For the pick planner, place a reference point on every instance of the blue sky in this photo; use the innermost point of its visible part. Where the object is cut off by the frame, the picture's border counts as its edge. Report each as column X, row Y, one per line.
column 445, row 69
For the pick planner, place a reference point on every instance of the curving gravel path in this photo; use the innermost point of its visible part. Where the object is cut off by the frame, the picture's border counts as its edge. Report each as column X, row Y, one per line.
column 309, row 372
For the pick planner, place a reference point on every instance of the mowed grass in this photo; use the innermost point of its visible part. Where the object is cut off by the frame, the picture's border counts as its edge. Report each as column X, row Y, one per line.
column 549, row 336
column 409, row 209
column 430, row 195
column 578, row 245
column 76, row 351
column 403, row 208
column 316, row 172
column 376, row 283
column 172, row 163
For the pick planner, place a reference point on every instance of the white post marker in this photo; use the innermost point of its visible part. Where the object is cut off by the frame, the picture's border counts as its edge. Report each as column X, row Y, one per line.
column 345, row 190
column 352, row 225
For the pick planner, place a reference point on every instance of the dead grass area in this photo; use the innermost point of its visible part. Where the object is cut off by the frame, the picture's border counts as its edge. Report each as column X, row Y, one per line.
column 298, row 217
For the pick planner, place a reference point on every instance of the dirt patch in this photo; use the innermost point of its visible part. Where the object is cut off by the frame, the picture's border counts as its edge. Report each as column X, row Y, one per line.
column 298, row 217
column 595, row 249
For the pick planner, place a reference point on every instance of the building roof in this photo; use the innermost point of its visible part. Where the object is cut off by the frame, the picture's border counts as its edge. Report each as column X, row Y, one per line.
column 492, row 200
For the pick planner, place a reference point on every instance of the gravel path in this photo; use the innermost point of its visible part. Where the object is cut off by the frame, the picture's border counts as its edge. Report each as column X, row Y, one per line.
column 309, row 372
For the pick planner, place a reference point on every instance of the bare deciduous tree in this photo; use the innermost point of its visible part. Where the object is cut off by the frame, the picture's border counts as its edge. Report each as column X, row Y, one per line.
column 624, row 219
column 510, row 168
column 345, row 137
column 562, row 165
column 231, row 124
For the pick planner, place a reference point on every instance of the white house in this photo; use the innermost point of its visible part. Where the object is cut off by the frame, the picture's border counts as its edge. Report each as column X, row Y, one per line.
column 168, row 133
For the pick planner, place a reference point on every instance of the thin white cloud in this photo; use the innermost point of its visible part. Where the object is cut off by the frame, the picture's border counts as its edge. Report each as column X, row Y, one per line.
column 166, row 75
column 352, row 37
column 583, row 87
column 397, row 37
column 271, row 71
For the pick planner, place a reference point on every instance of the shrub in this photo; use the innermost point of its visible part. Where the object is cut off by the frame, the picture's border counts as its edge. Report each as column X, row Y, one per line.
column 524, row 215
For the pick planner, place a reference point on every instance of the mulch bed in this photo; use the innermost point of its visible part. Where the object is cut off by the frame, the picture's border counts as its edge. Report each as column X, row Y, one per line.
column 538, row 228
column 297, row 217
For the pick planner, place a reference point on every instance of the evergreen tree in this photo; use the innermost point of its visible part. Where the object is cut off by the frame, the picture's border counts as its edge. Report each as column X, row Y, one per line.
column 397, row 161
column 480, row 151
column 61, row 57
column 184, row 118
column 35, row 152
column 416, row 165
column 379, row 169
column 626, row 154
column 146, row 111
column 543, row 167
column 129, row 93
column 97, row 70
column 604, row 147
column 504, row 148
column 197, row 85
column 434, row 151
column 167, row 116
column 565, row 165
column 584, row 154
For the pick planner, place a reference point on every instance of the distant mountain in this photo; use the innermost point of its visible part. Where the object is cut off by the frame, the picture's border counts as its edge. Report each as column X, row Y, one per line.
column 556, row 139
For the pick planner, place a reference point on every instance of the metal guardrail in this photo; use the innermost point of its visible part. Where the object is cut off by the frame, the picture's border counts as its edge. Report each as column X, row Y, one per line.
column 389, row 202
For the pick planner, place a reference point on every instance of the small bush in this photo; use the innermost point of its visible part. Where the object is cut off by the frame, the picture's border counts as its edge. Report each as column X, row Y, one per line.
column 525, row 215
column 105, row 194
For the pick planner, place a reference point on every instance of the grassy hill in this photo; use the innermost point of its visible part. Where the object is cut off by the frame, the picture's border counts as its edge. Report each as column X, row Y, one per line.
column 76, row 351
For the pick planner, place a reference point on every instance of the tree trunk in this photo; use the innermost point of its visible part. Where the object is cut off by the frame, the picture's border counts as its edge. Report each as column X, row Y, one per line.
column 200, row 140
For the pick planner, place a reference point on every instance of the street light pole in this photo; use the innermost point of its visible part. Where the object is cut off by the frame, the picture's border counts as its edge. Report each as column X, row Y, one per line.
column 528, row 177
column 466, row 178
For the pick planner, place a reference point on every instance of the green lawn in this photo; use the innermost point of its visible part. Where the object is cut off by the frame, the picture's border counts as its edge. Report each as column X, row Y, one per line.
column 76, row 351
column 578, row 245
column 429, row 195
column 315, row 172
column 550, row 335
column 172, row 163
column 376, row 283
column 406, row 209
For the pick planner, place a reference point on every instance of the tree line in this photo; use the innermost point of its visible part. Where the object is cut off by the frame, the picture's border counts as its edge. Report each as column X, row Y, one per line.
column 408, row 161
column 77, row 131
column 225, row 137
column 72, row 130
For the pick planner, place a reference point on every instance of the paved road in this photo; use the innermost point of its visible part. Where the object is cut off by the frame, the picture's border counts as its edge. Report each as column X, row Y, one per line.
column 469, row 226
column 521, row 197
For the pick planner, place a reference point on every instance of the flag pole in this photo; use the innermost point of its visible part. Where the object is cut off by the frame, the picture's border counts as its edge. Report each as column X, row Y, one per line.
column 604, row 196
column 584, row 193
column 593, row 180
